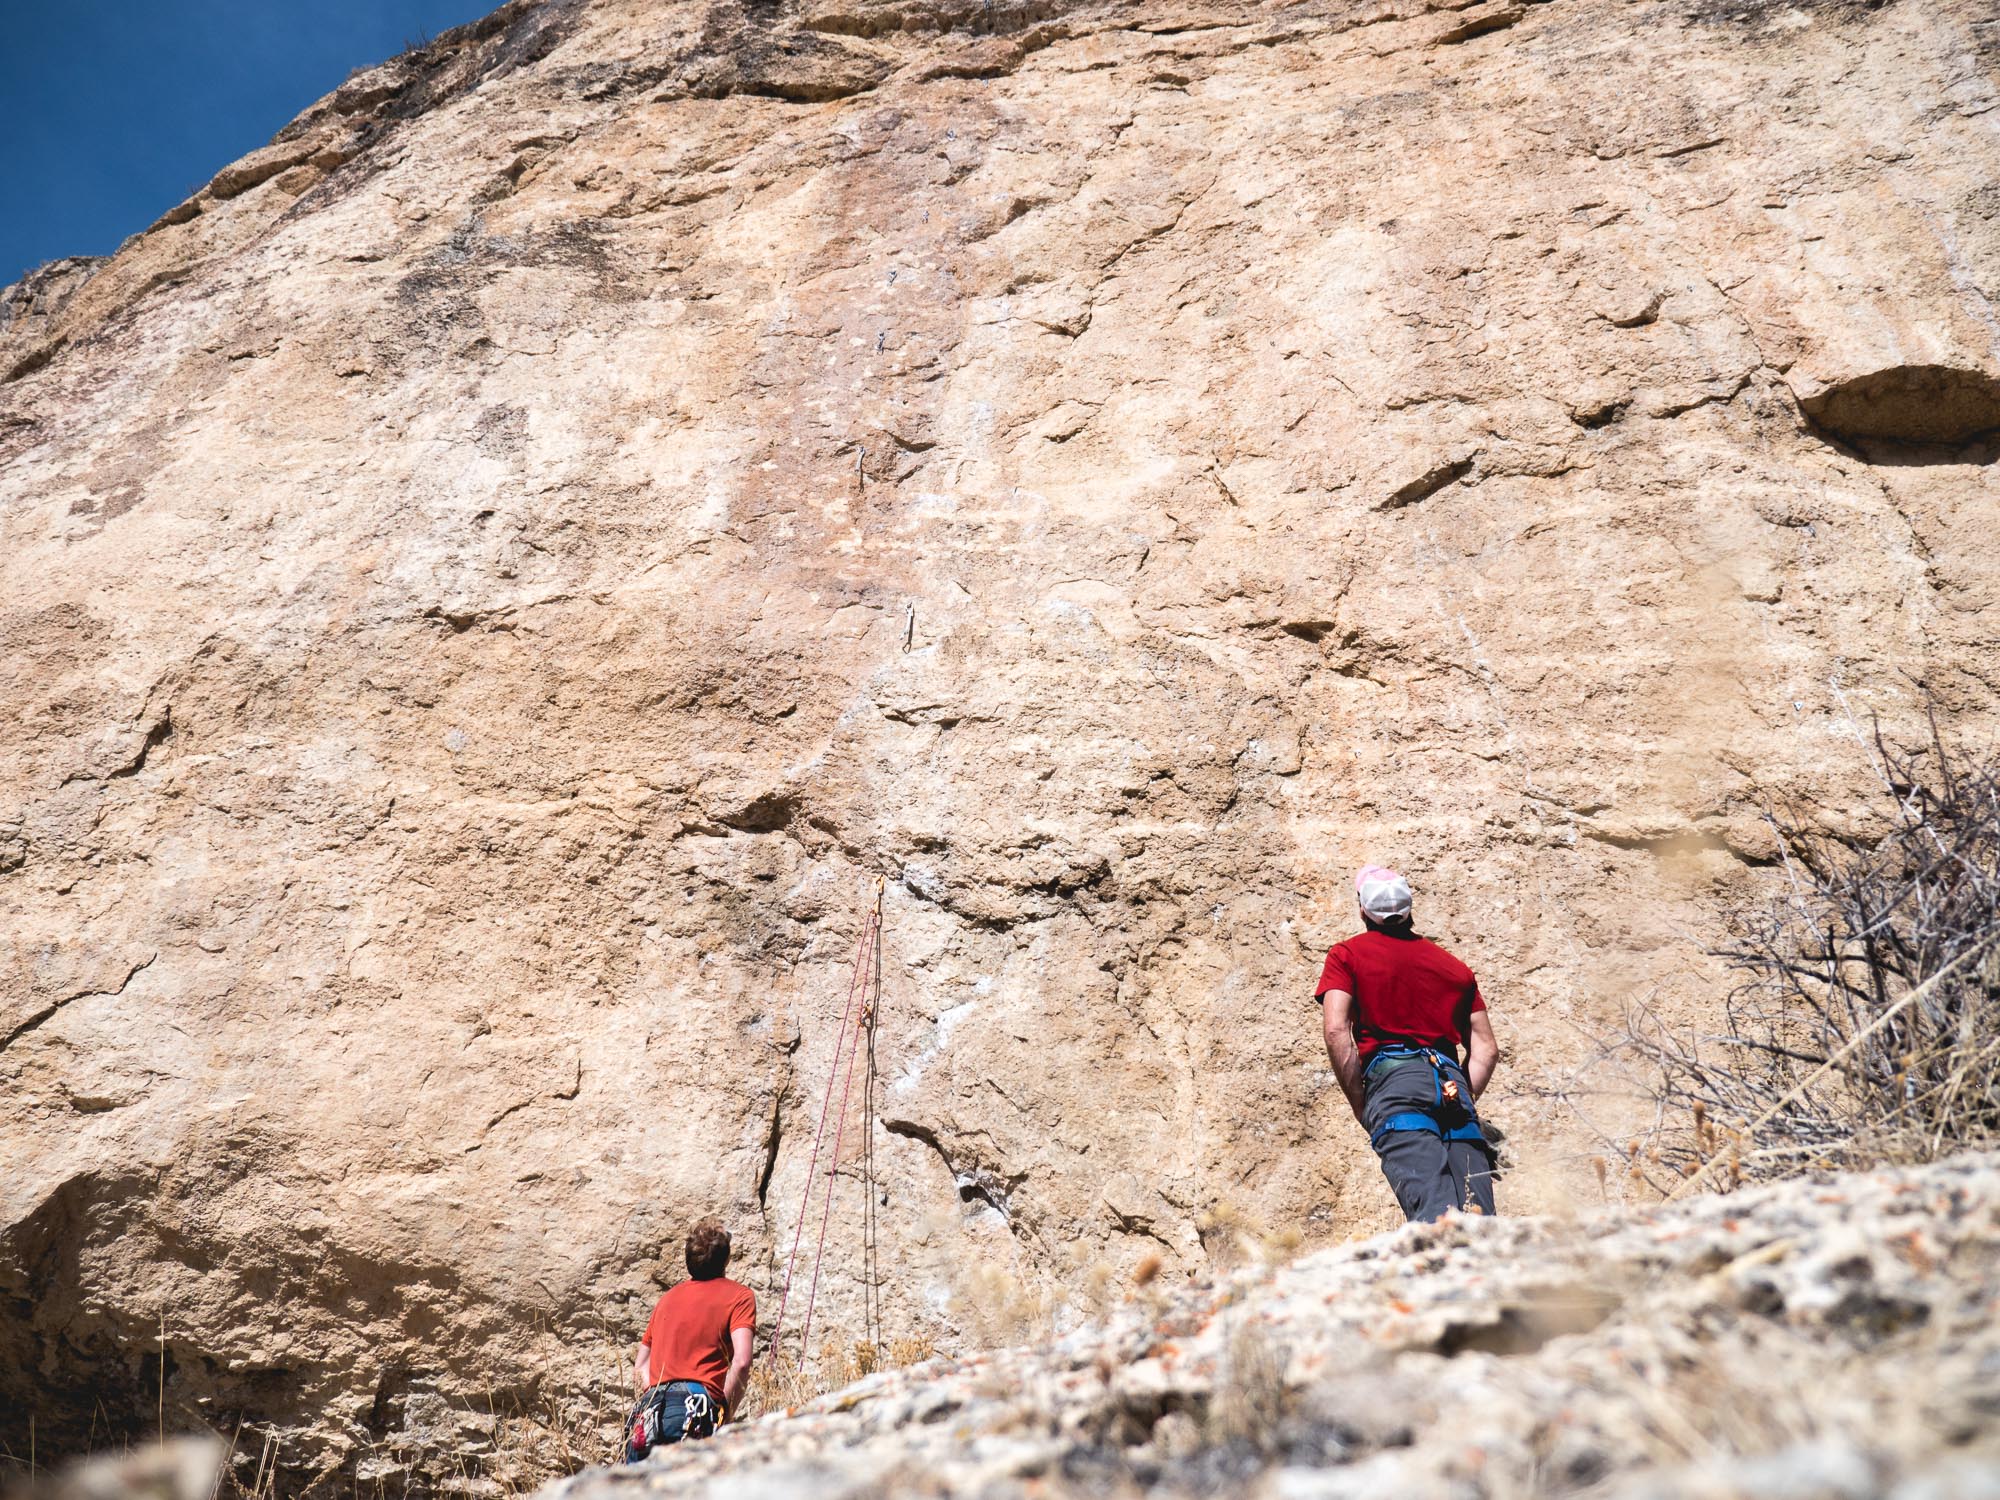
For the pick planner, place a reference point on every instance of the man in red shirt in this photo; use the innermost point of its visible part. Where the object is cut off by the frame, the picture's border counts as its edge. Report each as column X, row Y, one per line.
column 1397, row 1010
column 694, row 1361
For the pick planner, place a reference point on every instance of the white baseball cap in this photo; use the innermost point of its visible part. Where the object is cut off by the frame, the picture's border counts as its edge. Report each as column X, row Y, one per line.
column 1384, row 894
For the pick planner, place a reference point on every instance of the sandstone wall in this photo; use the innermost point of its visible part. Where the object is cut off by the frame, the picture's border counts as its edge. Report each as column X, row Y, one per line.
column 491, row 583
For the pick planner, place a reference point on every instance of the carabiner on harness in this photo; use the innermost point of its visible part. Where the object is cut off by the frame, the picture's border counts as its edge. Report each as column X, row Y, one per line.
column 1446, row 1096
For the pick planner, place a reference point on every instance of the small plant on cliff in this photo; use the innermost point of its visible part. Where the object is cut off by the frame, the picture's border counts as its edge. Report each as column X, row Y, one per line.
column 1866, row 1024
column 778, row 1383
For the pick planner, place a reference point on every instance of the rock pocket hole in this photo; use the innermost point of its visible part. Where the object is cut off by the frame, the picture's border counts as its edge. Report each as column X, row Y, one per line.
column 1912, row 414
column 980, row 1188
column 765, row 814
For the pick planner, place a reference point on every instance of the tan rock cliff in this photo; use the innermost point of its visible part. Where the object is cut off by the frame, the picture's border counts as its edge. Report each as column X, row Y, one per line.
column 491, row 582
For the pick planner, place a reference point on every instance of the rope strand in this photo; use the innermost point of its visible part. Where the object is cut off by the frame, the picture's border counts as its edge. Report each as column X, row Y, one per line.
column 805, row 1200
column 870, row 931
column 871, row 1289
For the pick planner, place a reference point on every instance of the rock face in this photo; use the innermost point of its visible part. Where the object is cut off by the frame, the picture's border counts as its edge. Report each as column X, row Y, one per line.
column 492, row 582
column 1817, row 1339
column 30, row 305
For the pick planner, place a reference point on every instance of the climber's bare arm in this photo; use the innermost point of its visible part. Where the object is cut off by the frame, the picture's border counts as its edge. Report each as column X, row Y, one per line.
column 740, row 1342
column 1341, row 1049
column 639, row 1362
column 1481, row 1053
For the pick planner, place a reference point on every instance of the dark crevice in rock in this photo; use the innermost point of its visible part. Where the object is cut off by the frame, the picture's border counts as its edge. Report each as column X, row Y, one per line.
column 975, row 1184
column 1591, row 418
column 980, row 17
column 32, row 361
column 910, row 1130
column 48, row 1011
column 1138, row 1225
column 1768, row 14
column 161, row 731
column 1910, row 414
column 393, row 1385
column 1428, row 484
column 766, row 814
column 771, row 1142
column 458, row 620
column 1480, row 23
column 796, row 67
column 974, row 1190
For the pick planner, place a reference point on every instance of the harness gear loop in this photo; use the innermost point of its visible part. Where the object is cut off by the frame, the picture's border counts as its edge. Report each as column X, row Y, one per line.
column 651, row 1425
column 1445, row 1091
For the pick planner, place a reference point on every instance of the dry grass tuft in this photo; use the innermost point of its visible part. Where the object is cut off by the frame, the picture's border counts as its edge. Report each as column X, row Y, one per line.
column 1233, row 1237
column 778, row 1383
column 1250, row 1400
column 998, row 1309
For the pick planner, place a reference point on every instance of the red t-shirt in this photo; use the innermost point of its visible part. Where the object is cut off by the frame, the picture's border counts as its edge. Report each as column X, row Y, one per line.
column 1405, row 989
column 688, row 1335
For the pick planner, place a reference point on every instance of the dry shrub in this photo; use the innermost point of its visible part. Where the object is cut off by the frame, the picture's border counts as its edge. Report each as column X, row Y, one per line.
column 533, row 1445
column 779, row 1383
column 1866, row 1024
column 1094, row 1284
column 1233, row 1237
column 998, row 1309
column 913, row 1350
column 995, row 1308
column 1250, row 1400
column 1284, row 1241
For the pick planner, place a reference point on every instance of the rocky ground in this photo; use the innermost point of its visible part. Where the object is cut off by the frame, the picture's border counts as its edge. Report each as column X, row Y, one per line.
column 1835, row 1338
column 491, row 582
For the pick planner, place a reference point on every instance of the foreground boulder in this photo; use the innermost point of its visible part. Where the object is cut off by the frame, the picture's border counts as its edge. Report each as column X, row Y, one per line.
column 1830, row 1338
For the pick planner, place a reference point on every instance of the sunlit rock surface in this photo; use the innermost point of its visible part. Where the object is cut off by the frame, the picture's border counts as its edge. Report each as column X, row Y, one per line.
column 491, row 582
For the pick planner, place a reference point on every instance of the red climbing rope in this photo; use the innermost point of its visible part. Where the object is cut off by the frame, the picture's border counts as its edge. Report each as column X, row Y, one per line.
column 866, row 959
column 873, row 926
column 812, row 1165
column 872, row 1196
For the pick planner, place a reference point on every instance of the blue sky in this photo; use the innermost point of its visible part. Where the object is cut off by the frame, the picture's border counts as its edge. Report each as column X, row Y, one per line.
column 115, row 110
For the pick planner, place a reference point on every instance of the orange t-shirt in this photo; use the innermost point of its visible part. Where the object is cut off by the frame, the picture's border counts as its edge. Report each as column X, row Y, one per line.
column 687, row 1337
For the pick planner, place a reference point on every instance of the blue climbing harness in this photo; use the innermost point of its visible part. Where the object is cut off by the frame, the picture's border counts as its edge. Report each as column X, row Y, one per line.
column 1430, row 1122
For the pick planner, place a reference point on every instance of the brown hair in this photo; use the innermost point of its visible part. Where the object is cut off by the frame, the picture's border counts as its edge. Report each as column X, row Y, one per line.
column 707, row 1250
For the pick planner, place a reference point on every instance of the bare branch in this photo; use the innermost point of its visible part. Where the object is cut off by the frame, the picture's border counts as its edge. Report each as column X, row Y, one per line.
column 1863, row 1025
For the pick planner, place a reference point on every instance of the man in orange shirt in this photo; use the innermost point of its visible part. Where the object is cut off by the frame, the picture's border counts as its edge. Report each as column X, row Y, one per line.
column 694, row 1361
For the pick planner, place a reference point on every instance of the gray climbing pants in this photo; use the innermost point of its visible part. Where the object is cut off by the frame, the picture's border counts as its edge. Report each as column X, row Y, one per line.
column 1429, row 1173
